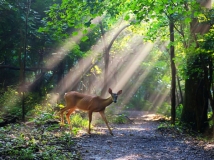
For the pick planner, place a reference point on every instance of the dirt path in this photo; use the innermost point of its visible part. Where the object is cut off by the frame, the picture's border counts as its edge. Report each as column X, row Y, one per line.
column 141, row 140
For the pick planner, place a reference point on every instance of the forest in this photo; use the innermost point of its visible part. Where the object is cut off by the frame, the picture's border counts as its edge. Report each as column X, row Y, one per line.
column 157, row 55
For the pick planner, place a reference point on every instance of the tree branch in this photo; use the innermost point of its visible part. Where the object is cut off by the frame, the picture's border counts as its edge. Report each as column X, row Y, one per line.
column 26, row 69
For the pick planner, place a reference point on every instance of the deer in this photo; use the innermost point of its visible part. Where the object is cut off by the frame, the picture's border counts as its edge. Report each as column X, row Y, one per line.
column 78, row 101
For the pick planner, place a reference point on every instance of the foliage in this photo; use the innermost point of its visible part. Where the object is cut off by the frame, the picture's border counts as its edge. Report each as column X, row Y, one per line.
column 164, row 109
column 120, row 119
column 179, row 109
column 136, row 104
column 10, row 102
column 78, row 122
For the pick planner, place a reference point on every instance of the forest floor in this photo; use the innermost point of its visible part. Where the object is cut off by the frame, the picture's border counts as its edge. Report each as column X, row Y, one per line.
column 142, row 139
column 146, row 137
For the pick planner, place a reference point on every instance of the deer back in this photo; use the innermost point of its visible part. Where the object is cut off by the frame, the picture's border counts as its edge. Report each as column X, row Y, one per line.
column 77, row 100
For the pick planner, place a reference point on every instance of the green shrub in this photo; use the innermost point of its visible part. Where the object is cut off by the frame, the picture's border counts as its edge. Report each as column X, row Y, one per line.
column 179, row 111
column 79, row 121
column 164, row 109
column 10, row 103
column 137, row 104
column 119, row 119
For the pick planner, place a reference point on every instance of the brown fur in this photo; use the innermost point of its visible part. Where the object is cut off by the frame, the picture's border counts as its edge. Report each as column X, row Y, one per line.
column 75, row 100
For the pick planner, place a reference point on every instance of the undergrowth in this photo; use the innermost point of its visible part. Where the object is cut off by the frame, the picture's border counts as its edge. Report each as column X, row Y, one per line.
column 46, row 142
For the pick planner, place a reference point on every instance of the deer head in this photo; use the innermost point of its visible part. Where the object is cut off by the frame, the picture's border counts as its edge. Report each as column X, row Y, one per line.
column 114, row 95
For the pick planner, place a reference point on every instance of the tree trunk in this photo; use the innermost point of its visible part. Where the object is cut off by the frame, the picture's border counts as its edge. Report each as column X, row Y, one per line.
column 195, row 107
column 24, row 59
column 173, row 72
column 180, row 92
column 197, row 89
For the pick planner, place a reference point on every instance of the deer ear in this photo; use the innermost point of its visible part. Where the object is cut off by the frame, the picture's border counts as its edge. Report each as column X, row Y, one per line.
column 110, row 91
column 119, row 92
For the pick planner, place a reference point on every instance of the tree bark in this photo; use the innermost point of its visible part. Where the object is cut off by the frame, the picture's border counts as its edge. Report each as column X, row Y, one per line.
column 24, row 58
column 173, row 72
column 180, row 92
column 195, row 107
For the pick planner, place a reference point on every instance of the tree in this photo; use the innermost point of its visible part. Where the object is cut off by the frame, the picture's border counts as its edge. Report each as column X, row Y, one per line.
column 196, row 86
column 173, row 70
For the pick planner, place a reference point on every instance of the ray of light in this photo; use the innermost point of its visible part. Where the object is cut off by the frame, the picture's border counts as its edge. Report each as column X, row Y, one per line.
column 119, row 60
column 133, row 64
column 158, row 99
column 132, row 89
column 60, row 54
column 68, row 45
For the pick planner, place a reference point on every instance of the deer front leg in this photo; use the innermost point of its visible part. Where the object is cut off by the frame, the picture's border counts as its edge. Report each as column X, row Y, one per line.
column 104, row 118
column 89, row 119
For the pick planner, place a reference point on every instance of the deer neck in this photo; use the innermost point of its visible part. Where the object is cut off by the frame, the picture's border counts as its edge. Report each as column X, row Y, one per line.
column 107, row 101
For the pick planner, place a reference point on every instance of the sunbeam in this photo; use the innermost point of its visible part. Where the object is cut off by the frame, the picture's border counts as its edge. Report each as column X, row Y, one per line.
column 157, row 99
column 133, row 64
column 60, row 54
column 116, row 64
column 139, row 81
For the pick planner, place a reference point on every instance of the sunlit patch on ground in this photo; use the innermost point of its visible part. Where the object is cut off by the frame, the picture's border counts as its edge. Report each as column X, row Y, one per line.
column 131, row 157
column 153, row 117
column 209, row 147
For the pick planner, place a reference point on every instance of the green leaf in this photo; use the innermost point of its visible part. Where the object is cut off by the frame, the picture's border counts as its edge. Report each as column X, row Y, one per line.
column 127, row 17
column 84, row 38
column 187, row 20
column 75, row 33
column 85, row 31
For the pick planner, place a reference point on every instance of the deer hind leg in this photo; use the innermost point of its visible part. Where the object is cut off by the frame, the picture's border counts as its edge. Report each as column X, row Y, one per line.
column 62, row 115
column 68, row 117
column 104, row 118
column 89, row 124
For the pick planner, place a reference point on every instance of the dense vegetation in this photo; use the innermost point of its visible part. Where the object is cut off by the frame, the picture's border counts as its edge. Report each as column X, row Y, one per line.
column 159, row 52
